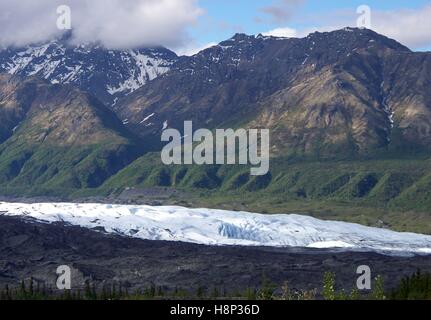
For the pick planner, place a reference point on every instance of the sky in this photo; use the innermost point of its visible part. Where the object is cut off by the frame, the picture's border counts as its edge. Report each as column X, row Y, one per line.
column 407, row 21
column 188, row 26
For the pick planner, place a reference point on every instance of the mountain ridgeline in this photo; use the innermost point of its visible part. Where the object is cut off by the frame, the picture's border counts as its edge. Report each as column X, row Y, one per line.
column 106, row 74
column 349, row 114
column 345, row 93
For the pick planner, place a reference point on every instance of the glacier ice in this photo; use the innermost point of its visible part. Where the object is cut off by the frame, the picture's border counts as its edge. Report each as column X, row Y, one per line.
column 220, row 227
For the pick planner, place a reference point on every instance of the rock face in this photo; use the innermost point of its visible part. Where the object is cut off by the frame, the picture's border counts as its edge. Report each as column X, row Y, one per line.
column 107, row 74
column 57, row 134
column 347, row 93
column 338, row 94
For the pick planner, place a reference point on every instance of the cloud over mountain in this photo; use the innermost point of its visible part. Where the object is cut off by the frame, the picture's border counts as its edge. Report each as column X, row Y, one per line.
column 115, row 23
column 281, row 10
column 411, row 27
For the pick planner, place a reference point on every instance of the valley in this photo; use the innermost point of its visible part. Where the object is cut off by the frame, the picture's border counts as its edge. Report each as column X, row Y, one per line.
column 336, row 151
column 197, row 154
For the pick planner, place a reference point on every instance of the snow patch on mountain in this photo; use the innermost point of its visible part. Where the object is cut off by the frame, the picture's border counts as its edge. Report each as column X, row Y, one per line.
column 147, row 118
column 148, row 69
column 109, row 74
column 219, row 227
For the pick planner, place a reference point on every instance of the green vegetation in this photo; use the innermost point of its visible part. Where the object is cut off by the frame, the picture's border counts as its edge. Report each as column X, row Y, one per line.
column 382, row 193
column 415, row 287
column 377, row 192
column 329, row 286
column 47, row 170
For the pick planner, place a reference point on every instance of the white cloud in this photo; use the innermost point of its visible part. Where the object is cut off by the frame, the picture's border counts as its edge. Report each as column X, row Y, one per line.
column 411, row 27
column 133, row 23
column 282, row 33
column 115, row 23
column 282, row 10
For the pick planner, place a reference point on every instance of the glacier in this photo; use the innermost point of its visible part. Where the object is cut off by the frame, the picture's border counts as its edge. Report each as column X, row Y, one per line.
column 221, row 227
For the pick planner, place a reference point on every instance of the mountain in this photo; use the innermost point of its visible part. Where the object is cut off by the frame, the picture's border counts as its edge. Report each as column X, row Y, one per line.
column 107, row 74
column 349, row 118
column 57, row 135
column 349, row 114
column 345, row 93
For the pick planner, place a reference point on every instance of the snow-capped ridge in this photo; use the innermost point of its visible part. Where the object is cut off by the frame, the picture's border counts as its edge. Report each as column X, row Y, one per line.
column 108, row 74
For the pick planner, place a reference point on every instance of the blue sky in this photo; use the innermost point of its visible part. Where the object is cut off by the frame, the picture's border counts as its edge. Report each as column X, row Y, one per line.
column 222, row 18
column 189, row 25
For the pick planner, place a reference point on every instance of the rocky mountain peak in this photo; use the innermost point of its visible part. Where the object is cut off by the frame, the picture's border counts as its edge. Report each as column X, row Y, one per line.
column 328, row 91
column 107, row 74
